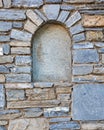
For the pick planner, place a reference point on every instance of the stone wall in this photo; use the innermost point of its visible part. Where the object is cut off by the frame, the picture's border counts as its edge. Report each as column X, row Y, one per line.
column 27, row 105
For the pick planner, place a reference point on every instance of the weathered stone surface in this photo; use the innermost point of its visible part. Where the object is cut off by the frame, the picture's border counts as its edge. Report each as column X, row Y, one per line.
column 29, row 26
column 19, row 43
column 79, row 1
column 17, row 24
column 21, row 35
column 53, row 120
column 93, row 21
column 6, row 59
column 83, row 45
column 65, row 125
column 20, row 69
column 99, row 44
column 33, row 112
column 1, row 4
column 7, row 3
column 34, row 17
column 27, row 3
column 1, row 50
column 2, row 96
column 67, row 7
column 23, row 60
column 40, row 94
column 5, row 26
column 2, row 78
column 20, row 50
column 30, row 104
column 82, row 69
column 18, row 78
column 102, row 58
column 53, row 1
column 101, row 50
column 51, row 11
column 4, row 69
column 79, row 37
column 98, row 69
column 4, row 38
column 73, row 19
column 29, row 124
column 63, row 16
column 2, row 128
column 2, row 123
column 13, row 95
column 57, row 111
column 88, row 102
column 63, row 97
column 85, row 56
column 94, row 35
column 63, row 90
column 43, row 84
column 76, row 29
column 8, row 14
column 6, row 49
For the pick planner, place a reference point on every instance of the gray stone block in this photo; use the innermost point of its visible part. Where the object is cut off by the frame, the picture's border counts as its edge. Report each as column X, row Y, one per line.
column 88, row 102
column 6, row 49
column 5, row 112
column 76, row 29
column 4, row 69
column 85, row 56
column 52, row 120
column 99, row 44
column 5, row 26
column 43, row 84
column 2, row 96
column 23, row 60
column 6, row 14
column 20, row 69
column 4, row 38
column 27, row 3
column 6, row 59
column 2, row 128
column 17, row 24
column 7, row 3
column 83, row 45
column 79, row 37
column 53, row 1
column 67, row 7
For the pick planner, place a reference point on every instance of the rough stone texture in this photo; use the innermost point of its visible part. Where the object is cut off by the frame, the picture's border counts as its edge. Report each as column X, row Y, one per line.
column 93, row 21
column 12, row 14
column 6, row 59
column 79, row 37
column 5, row 26
column 85, row 56
column 63, row 97
column 2, row 96
column 63, row 90
column 7, row 3
column 2, row 78
column 21, row 35
column 3, row 123
column 18, row 24
column 79, row 1
column 2, row 128
column 19, row 43
column 6, row 49
column 4, row 69
column 83, row 45
column 51, row 11
column 53, row 1
column 29, row 124
column 20, row 69
column 23, row 60
column 53, row 120
column 20, row 50
column 85, row 107
column 98, row 69
column 76, row 29
column 67, row 7
column 4, row 38
column 43, row 84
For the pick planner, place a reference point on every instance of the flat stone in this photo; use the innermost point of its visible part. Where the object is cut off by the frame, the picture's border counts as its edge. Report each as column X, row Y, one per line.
column 5, row 26
column 6, row 49
column 18, row 24
column 29, row 26
column 79, row 37
column 98, row 69
column 4, row 38
column 53, row 120
column 3, row 123
column 31, row 124
column 63, row 90
column 21, row 35
column 99, row 44
column 16, row 43
column 20, row 50
column 102, row 58
column 7, row 3
column 83, row 45
column 63, row 97
column 20, row 69
column 43, row 84
column 2, row 96
column 78, row 1
column 76, row 29
column 13, row 95
column 23, row 60
column 2, row 78
column 27, row 3
column 12, row 78
column 63, row 16
column 34, row 17
column 67, row 7
column 2, row 128
column 93, row 21
column 82, row 69
column 51, row 11
column 101, row 50
column 85, row 56
column 88, row 102
column 73, row 19
column 6, row 59
column 4, row 112
column 57, row 111
column 4, row 69
column 53, row 1
column 11, row 14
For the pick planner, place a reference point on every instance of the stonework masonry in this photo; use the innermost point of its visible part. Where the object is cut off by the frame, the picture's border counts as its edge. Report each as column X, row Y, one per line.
column 63, row 105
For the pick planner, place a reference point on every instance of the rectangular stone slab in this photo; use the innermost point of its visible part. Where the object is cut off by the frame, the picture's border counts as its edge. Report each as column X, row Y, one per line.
column 88, row 102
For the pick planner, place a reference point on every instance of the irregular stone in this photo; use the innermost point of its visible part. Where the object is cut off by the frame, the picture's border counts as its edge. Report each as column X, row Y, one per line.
column 18, row 86
column 82, row 69
column 29, row 26
column 94, row 35
column 83, row 45
column 101, row 50
column 4, row 38
column 2, row 96
column 78, row 1
column 7, row 3
column 93, row 21
column 2, row 128
column 102, row 58
column 27, row 3
column 63, row 97
column 1, row 50
column 2, row 78
column 1, row 4
column 40, row 94
column 79, row 37
column 65, row 125
column 18, row 78
column 92, row 11
column 11, row 14
column 20, row 50
column 28, row 104
column 57, row 111
column 67, row 7
column 63, row 90
column 4, row 69
column 18, row 24
column 20, row 69
column 21, row 35
column 31, row 124
column 53, row 120
column 13, row 95
column 33, row 112
column 88, row 102
column 85, row 56
column 6, row 59
column 34, row 17
column 6, row 49
column 53, row 1
column 99, row 44
column 98, row 69
column 19, row 43
column 3, row 123
column 76, row 29
column 43, row 85
column 73, row 19
column 5, row 26
column 51, row 11
column 23, row 60
column 63, row 16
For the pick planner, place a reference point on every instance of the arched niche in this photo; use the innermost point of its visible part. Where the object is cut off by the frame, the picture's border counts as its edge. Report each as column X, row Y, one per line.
column 51, row 53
